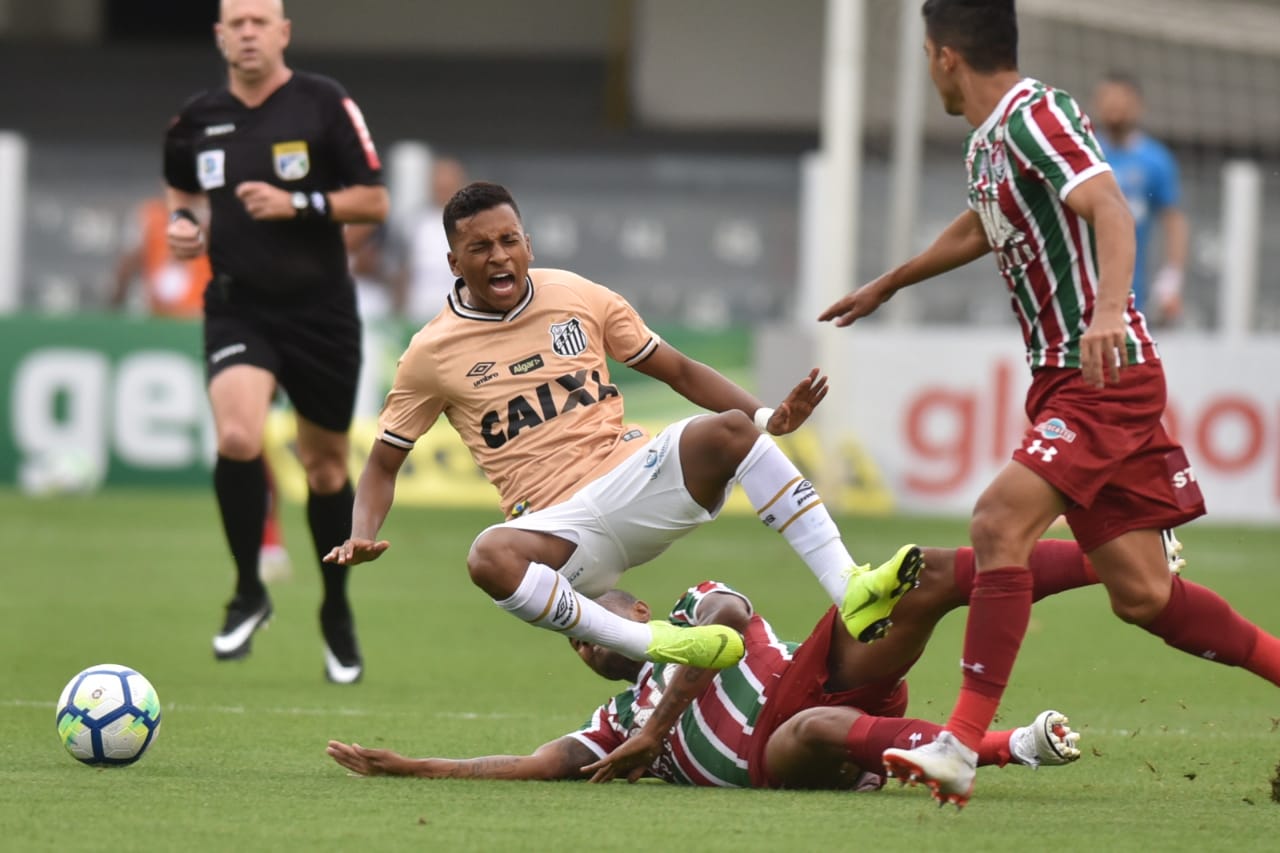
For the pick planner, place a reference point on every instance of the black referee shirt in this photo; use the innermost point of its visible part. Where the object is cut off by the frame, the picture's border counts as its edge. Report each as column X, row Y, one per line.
column 307, row 137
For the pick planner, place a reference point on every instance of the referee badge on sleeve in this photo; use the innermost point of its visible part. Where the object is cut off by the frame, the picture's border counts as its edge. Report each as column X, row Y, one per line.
column 211, row 168
column 291, row 160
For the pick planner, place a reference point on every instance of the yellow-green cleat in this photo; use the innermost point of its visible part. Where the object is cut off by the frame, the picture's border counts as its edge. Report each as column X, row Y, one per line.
column 872, row 593
column 705, row 646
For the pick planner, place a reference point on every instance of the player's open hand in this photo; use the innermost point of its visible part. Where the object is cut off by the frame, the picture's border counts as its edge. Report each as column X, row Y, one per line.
column 632, row 760
column 1103, row 350
column 368, row 762
column 799, row 404
column 264, row 201
column 355, row 551
column 862, row 302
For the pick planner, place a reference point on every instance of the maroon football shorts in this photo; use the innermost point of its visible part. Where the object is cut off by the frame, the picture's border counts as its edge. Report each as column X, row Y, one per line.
column 800, row 686
column 1106, row 450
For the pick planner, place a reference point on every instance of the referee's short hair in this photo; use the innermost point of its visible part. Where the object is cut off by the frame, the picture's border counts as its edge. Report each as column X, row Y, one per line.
column 475, row 197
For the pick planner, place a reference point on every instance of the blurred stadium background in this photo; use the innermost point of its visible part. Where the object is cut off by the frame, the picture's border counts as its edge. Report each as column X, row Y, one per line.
column 669, row 150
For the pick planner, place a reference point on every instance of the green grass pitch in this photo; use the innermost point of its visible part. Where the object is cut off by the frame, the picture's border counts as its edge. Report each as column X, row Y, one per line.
column 1179, row 753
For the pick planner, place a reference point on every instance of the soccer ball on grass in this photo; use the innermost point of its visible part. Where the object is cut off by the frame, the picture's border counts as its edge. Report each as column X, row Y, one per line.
column 108, row 714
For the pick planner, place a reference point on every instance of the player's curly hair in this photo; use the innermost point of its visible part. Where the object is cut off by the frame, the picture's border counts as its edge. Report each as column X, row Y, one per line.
column 983, row 32
column 475, row 197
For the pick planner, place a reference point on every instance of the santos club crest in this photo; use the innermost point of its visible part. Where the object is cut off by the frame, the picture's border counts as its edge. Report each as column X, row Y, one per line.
column 567, row 338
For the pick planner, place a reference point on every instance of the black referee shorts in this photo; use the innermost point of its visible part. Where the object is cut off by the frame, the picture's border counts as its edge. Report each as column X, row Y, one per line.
column 312, row 348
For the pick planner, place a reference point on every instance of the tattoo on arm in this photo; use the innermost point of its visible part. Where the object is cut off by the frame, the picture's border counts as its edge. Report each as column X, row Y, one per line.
column 487, row 767
column 560, row 759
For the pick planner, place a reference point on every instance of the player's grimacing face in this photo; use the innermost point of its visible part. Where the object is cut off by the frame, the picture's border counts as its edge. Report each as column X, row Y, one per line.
column 252, row 35
column 491, row 254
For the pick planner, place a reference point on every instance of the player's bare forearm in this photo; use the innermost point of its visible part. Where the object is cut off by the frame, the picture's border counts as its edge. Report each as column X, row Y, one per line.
column 689, row 682
column 698, row 383
column 1116, row 246
column 1100, row 202
column 376, row 490
column 360, row 203
column 1177, row 237
column 961, row 242
column 1104, row 345
column 560, row 759
column 374, row 495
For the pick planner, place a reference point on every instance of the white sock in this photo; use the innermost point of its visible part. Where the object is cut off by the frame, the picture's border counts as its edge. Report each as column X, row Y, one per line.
column 786, row 501
column 545, row 599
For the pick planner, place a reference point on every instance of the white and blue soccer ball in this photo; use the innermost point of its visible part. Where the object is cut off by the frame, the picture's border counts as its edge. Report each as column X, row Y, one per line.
column 108, row 714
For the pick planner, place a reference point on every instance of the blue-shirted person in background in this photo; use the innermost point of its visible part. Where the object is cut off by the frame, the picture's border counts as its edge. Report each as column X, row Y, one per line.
column 1148, row 176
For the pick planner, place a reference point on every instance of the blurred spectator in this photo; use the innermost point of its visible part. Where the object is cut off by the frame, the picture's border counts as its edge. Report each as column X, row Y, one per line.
column 175, row 288
column 378, row 269
column 1148, row 176
column 430, row 279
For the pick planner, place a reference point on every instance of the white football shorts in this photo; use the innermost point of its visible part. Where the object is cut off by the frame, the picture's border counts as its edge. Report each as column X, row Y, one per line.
column 626, row 517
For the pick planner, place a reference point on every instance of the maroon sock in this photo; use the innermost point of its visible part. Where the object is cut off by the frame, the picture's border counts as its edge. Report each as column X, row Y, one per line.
column 1057, row 565
column 999, row 609
column 994, row 749
column 870, row 736
column 1200, row 622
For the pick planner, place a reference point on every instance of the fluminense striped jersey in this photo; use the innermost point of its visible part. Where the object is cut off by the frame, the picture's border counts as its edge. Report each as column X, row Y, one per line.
column 1022, row 163
column 709, row 745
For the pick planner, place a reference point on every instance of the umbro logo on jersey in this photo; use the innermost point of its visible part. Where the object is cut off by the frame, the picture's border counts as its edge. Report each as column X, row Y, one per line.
column 567, row 338
column 483, row 371
column 526, row 365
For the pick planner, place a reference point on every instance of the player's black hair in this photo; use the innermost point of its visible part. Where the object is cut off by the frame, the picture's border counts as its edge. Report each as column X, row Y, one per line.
column 1123, row 78
column 983, row 32
column 620, row 597
column 475, row 197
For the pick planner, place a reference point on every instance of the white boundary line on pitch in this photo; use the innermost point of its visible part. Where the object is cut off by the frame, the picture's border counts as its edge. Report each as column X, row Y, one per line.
column 294, row 712
column 1085, row 730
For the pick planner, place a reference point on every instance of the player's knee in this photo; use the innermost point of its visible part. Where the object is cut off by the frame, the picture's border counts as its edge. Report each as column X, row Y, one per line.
column 815, row 727
column 237, row 441
column 489, row 563
column 1138, row 605
column 994, row 530
column 729, row 436
column 937, row 583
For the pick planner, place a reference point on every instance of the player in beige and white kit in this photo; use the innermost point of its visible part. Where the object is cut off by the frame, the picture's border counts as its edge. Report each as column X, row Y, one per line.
column 517, row 362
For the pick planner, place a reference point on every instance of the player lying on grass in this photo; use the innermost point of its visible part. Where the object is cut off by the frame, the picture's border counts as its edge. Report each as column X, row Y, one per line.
column 517, row 362
column 816, row 715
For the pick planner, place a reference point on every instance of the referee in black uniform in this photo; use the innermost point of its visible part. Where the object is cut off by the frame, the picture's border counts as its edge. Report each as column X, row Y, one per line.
column 263, row 173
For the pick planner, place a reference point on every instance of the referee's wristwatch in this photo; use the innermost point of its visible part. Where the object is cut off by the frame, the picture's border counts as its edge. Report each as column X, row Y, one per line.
column 313, row 206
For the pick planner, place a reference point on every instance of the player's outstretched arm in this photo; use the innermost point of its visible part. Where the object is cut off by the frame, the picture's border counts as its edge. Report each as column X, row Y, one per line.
column 959, row 243
column 374, row 495
column 634, row 757
column 559, row 759
column 705, row 386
